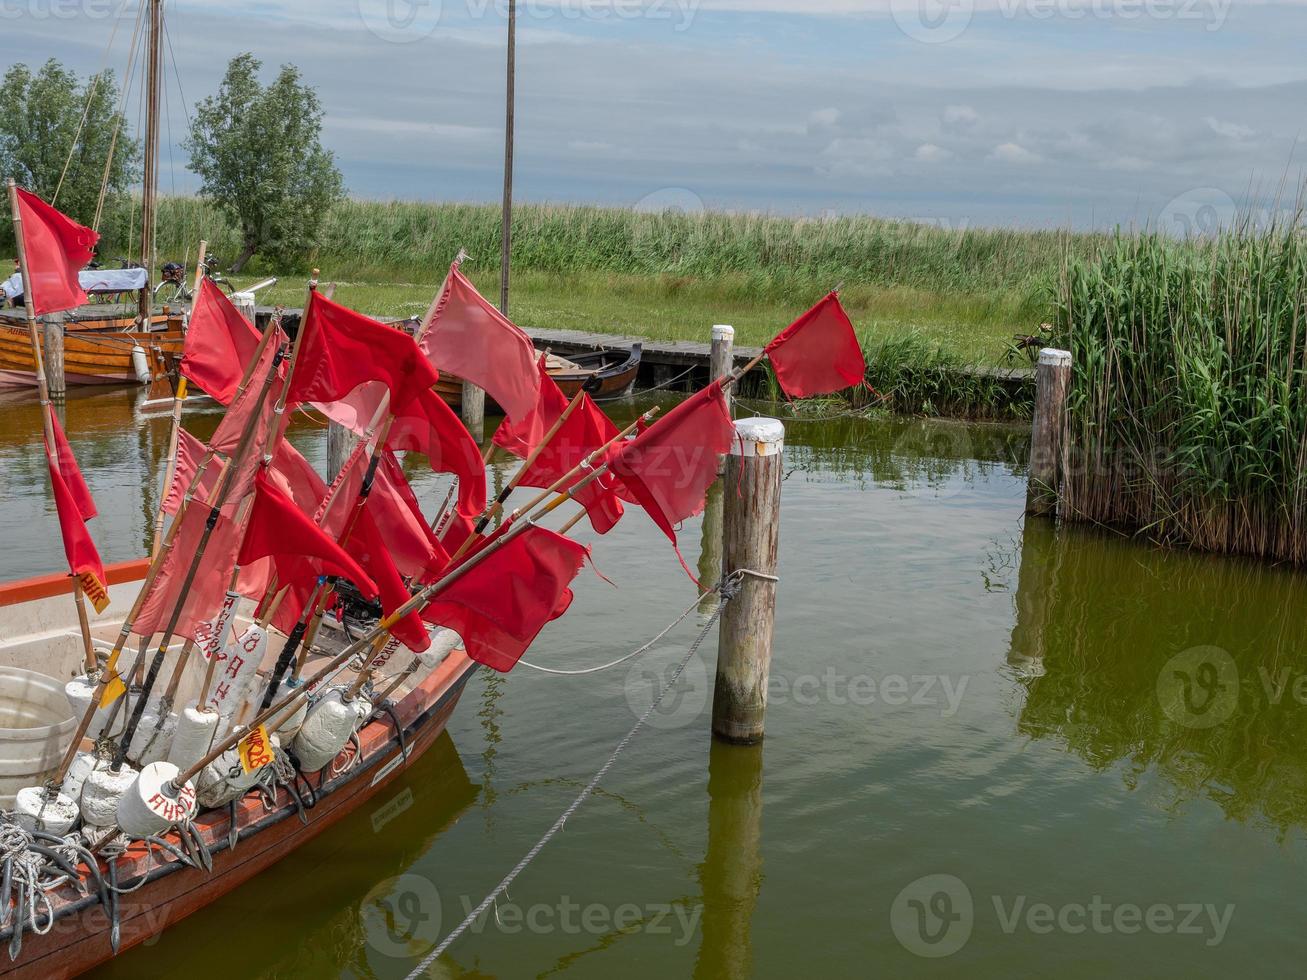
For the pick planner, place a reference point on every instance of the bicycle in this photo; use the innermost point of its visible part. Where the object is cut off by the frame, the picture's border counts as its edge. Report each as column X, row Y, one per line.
column 173, row 288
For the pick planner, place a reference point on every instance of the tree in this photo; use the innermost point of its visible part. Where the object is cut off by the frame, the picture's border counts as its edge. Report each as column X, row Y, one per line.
column 260, row 158
column 42, row 130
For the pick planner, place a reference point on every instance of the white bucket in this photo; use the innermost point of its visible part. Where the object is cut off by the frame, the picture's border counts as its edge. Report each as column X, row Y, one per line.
column 36, row 728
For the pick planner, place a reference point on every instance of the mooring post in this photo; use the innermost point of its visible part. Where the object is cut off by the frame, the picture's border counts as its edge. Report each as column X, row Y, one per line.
column 751, row 535
column 1048, row 431
column 340, row 443
column 474, row 410
column 54, row 355
column 721, row 360
column 245, row 303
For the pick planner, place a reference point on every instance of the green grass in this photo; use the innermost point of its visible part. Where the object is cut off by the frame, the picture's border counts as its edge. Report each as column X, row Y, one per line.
column 669, row 275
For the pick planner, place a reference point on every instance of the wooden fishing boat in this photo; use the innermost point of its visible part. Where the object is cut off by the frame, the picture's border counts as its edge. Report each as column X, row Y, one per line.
column 243, row 840
column 100, row 348
column 606, row 375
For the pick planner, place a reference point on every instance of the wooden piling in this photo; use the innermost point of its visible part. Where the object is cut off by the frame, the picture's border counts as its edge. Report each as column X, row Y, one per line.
column 245, row 303
column 751, row 536
column 1048, row 432
column 721, row 358
column 54, row 355
column 474, row 410
column 340, row 443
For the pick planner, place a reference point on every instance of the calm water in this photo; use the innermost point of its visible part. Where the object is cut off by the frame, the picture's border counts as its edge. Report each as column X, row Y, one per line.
column 1041, row 752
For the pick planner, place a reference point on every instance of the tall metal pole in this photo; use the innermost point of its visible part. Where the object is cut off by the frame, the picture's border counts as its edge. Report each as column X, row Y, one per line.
column 150, row 188
column 511, row 97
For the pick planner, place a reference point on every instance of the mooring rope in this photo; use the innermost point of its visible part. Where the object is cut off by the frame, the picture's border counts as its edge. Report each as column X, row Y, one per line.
column 727, row 590
column 667, row 384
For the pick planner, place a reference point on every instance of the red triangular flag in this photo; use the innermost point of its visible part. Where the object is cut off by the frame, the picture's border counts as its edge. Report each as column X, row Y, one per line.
column 366, row 544
column 818, row 354
column 669, row 468
column 340, row 350
column 470, row 338
column 66, row 463
column 277, row 528
column 72, row 501
column 57, row 248
column 219, row 343
column 586, row 430
column 428, row 426
column 501, row 605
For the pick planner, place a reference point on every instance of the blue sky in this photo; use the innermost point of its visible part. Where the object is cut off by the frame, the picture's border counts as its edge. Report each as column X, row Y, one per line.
column 1030, row 113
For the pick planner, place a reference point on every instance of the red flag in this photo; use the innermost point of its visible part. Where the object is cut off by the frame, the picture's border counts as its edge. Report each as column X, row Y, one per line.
column 472, row 339
column 72, row 501
column 428, row 426
column 219, row 343
column 208, row 589
column 500, row 606
column 457, row 530
column 340, row 350
column 277, row 528
column 57, row 248
column 366, row 544
column 227, row 436
column 669, row 468
column 586, row 430
column 818, row 354
column 417, row 551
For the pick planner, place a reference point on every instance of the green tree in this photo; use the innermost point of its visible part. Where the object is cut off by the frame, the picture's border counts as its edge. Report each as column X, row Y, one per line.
column 259, row 155
column 42, row 131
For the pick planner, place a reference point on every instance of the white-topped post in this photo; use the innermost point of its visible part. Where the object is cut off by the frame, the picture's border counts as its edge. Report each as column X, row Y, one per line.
column 721, row 360
column 245, row 303
column 1048, row 436
column 751, row 537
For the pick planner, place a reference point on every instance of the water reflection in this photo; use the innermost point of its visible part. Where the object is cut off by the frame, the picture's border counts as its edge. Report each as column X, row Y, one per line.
column 730, row 877
column 1188, row 665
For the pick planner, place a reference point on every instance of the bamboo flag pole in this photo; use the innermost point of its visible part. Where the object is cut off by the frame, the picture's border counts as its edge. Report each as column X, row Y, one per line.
column 215, row 511
column 179, row 399
column 43, row 392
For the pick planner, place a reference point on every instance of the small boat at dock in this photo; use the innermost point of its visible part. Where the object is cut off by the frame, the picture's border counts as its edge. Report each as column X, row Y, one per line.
column 101, row 347
column 605, row 376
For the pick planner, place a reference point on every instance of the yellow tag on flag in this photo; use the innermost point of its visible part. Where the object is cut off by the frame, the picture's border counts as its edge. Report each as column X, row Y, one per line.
column 256, row 749
column 94, row 590
column 114, row 688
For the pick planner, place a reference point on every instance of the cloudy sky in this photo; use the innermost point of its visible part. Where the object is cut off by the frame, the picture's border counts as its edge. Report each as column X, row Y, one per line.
column 1032, row 113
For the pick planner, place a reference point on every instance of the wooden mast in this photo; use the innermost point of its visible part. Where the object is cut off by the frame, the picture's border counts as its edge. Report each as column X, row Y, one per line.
column 510, row 100
column 150, row 188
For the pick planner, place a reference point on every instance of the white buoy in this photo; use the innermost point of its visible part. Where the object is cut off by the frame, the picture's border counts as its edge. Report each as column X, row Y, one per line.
column 79, row 691
column 152, row 804
column 196, row 731
column 55, row 813
column 289, row 728
column 102, row 791
column 84, row 763
column 224, row 779
column 444, row 641
column 140, row 366
column 153, row 735
column 240, row 669
column 328, row 727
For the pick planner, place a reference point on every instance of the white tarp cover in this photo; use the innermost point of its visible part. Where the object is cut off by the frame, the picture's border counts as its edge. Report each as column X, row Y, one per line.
column 92, row 280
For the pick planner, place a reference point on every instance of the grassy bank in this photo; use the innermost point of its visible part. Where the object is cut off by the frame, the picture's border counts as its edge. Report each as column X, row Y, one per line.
column 670, row 275
column 1188, row 406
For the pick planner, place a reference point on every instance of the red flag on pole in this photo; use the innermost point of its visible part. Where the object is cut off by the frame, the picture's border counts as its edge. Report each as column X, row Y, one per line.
column 57, row 248
column 278, row 529
column 366, row 544
column 472, row 339
column 219, row 343
column 72, row 501
column 428, row 426
column 340, row 350
column 669, row 467
column 586, row 430
column 500, row 606
column 417, row 551
column 818, row 353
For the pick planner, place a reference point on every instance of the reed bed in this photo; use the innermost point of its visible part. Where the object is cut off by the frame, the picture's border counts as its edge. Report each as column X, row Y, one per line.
column 1188, row 416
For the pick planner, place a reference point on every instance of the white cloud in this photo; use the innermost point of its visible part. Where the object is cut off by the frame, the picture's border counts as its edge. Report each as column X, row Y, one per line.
column 1014, row 153
column 930, row 153
column 1229, row 130
column 960, row 115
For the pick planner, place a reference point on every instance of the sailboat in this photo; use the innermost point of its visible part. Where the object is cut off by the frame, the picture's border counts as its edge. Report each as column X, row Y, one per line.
column 109, row 343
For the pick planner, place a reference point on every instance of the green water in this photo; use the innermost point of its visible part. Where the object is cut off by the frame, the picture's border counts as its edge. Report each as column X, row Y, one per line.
column 1041, row 752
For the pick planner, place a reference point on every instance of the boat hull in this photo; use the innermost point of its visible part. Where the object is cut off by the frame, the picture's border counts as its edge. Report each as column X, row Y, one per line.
column 606, row 376
column 91, row 356
column 80, row 937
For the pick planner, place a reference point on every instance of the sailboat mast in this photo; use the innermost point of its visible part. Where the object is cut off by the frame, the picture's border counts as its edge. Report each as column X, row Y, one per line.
column 149, row 191
column 507, row 243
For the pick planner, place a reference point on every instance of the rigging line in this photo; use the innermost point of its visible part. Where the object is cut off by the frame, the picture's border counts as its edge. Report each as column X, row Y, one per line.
column 120, row 117
column 727, row 589
column 90, row 97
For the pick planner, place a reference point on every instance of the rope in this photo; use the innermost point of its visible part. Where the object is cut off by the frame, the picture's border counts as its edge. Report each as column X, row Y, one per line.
column 727, row 589
column 668, row 384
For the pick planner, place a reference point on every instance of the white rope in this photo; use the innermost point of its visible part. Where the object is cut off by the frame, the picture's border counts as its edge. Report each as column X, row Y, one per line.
column 668, row 384
column 727, row 589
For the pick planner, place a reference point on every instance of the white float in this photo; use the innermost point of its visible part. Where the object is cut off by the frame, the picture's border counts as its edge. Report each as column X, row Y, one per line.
column 35, row 809
column 102, row 791
column 79, row 691
column 152, row 804
column 196, row 732
column 224, row 779
column 330, row 723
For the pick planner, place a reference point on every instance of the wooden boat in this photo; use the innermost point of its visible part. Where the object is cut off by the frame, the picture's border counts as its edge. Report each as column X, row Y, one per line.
column 262, row 834
column 606, row 375
column 99, row 348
